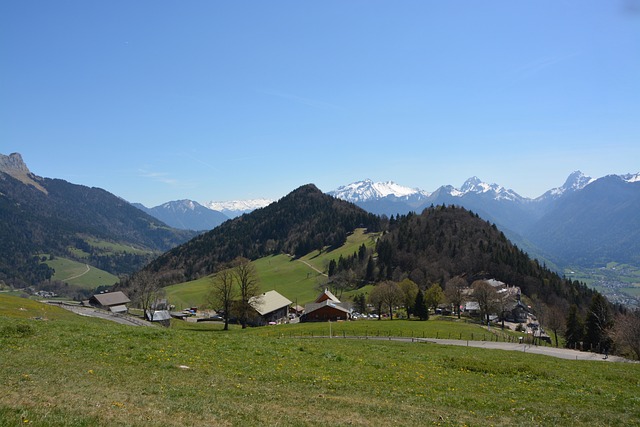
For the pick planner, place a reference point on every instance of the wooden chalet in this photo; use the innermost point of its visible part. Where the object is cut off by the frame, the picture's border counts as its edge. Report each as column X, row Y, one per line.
column 326, row 308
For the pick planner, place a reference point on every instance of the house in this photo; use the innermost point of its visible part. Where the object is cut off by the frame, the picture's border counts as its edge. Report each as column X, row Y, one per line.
column 326, row 308
column 112, row 301
column 327, row 296
column 270, row 307
column 518, row 312
column 472, row 307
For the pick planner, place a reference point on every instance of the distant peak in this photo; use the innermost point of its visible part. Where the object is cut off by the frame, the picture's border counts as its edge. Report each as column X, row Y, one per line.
column 366, row 190
column 470, row 184
column 14, row 166
column 631, row 177
column 13, row 163
column 577, row 181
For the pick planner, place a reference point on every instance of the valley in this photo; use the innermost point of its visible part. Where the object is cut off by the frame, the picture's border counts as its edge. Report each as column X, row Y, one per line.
column 620, row 283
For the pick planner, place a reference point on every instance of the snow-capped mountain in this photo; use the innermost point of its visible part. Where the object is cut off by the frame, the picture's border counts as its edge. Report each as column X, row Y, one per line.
column 497, row 192
column 367, row 190
column 630, row 178
column 562, row 223
column 186, row 215
column 236, row 208
column 575, row 182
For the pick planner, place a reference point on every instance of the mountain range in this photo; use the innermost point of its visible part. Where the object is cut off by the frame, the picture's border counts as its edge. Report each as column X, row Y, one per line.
column 44, row 216
column 431, row 247
column 584, row 222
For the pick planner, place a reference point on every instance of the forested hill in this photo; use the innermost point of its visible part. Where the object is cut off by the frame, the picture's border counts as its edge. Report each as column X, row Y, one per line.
column 444, row 242
column 51, row 216
column 304, row 220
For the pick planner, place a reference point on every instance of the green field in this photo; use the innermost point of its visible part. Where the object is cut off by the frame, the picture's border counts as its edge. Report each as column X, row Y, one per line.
column 76, row 273
column 296, row 279
column 68, row 370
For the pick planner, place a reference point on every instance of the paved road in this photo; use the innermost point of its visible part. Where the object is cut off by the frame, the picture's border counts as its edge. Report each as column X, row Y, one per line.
column 102, row 314
column 562, row 353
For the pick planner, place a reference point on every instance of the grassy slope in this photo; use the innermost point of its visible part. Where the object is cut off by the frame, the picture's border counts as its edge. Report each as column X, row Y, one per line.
column 66, row 268
column 292, row 278
column 108, row 374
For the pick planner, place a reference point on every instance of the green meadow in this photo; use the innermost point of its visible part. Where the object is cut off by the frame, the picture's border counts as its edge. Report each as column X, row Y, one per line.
column 59, row 369
column 296, row 279
column 76, row 273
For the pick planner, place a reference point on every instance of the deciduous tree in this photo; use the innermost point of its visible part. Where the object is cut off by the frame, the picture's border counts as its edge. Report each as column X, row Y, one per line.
column 555, row 321
column 409, row 291
column 434, row 296
column 598, row 324
column 626, row 333
column 454, row 292
column 222, row 293
column 486, row 297
column 386, row 294
column 144, row 291
column 248, row 287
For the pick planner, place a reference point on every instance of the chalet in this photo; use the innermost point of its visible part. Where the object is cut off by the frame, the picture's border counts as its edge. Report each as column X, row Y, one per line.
column 116, row 302
column 270, row 307
column 326, row 308
column 518, row 312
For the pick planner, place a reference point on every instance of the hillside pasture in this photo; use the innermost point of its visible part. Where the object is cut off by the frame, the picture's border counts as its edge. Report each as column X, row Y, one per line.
column 80, row 274
column 296, row 279
column 77, row 371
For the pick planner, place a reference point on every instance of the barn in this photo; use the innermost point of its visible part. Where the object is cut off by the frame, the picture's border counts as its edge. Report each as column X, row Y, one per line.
column 116, row 302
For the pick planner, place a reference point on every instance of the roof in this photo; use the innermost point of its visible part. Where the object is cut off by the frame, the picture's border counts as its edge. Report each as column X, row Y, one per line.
column 159, row 315
column 471, row 305
column 495, row 283
column 310, row 308
column 111, row 298
column 118, row 308
column 327, row 295
column 269, row 302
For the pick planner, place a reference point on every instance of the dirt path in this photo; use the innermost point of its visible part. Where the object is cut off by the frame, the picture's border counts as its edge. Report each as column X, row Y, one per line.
column 78, row 275
column 312, row 267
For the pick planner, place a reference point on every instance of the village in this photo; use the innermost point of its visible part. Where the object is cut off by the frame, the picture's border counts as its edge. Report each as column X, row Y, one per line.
column 272, row 308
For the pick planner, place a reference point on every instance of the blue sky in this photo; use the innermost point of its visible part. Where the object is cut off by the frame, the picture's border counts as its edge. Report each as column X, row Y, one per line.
column 219, row 100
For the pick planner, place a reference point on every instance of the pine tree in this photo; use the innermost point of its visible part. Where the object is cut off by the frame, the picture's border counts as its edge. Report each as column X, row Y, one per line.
column 419, row 307
column 371, row 270
column 574, row 329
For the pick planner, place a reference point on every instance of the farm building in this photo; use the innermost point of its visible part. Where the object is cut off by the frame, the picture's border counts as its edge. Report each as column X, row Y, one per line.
column 160, row 316
column 271, row 307
column 116, row 302
column 326, row 307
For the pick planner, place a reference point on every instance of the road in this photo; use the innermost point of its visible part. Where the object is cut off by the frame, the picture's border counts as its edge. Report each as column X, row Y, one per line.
column 562, row 353
column 123, row 319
